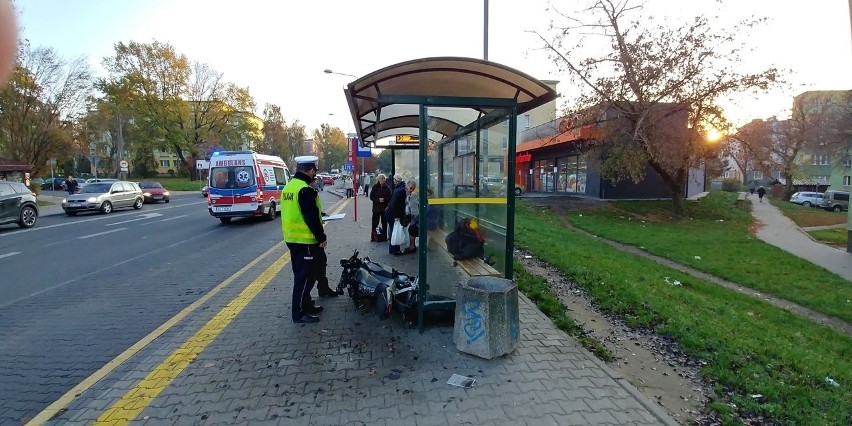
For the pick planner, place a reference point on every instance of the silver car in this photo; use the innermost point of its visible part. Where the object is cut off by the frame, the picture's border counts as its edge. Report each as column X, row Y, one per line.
column 807, row 199
column 104, row 197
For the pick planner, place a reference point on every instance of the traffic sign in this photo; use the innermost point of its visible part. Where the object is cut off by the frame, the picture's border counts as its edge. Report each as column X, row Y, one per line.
column 123, row 164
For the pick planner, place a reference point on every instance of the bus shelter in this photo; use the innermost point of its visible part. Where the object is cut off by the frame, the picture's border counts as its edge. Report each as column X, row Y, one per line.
column 458, row 118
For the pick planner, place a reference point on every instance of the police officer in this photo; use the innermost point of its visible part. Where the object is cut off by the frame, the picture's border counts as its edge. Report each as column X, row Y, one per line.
column 301, row 224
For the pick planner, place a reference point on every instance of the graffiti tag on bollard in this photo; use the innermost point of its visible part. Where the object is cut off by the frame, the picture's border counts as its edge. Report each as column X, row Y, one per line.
column 473, row 326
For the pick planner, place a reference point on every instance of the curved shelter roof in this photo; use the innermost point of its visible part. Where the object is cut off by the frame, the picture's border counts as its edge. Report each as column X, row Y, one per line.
column 386, row 102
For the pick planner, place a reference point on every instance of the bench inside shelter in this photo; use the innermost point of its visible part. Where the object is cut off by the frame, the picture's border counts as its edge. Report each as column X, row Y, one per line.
column 474, row 267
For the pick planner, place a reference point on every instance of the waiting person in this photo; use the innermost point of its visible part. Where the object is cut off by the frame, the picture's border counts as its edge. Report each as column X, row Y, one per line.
column 348, row 186
column 432, row 217
column 396, row 208
column 301, row 224
column 381, row 196
column 71, row 185
column 366, row 182
column 760, row 193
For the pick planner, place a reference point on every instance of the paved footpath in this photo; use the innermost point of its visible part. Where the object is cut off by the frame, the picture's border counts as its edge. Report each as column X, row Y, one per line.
column 239, row 359
column 781, row 232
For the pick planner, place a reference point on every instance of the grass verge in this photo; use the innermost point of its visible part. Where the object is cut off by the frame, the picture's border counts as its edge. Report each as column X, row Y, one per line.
column 179, row 184
column 537, row 289
column 807, row 216
column 837, row 236
column 713, row 237
column 764, row 360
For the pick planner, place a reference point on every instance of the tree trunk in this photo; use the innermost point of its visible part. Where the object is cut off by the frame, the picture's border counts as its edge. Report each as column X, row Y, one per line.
column 673, row 183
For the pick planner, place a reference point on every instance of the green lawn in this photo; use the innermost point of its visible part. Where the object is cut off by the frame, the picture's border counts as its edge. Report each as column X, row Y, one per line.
column 748, row 346
column 178, row 184
column 713, row 237
column 808, row 216
column 836, row 236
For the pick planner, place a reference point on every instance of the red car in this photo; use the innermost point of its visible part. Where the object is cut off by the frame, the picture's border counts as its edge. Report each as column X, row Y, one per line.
column 154, row 192
column 327, row 180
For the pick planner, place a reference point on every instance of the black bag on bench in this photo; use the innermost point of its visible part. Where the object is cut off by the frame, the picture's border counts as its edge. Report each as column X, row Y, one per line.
column 465, row 242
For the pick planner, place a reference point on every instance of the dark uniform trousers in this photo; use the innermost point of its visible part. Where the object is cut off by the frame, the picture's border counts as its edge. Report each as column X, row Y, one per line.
column 306, row 259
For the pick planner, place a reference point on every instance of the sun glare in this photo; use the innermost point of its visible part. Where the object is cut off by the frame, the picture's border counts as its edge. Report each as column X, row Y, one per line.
column 713, row 135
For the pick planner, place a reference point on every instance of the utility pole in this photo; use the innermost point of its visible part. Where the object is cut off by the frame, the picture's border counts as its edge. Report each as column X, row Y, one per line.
column 120, row 154
column 485, row 30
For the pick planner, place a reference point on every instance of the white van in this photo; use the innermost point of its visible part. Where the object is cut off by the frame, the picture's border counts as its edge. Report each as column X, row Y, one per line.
column 245, row 184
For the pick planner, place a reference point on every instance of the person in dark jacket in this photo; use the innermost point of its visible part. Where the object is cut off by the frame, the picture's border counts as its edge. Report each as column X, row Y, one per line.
column 380, row 195
column 396, row 208
column 71, row 185
column 433, row 214
column 761, row 192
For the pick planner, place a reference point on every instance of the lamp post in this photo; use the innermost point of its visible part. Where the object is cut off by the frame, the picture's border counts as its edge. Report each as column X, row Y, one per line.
column 328, row 71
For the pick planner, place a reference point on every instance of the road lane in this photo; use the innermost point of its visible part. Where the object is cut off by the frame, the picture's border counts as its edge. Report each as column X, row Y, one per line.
column 99, row 305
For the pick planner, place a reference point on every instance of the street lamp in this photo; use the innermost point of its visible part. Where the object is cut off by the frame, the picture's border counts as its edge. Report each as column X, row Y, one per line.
column 328, row 71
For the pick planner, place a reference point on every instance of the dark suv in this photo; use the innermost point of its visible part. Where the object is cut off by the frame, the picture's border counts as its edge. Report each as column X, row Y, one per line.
column 17, row 205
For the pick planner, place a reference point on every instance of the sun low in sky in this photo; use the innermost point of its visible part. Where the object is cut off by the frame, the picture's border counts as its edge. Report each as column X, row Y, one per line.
column 279, row 49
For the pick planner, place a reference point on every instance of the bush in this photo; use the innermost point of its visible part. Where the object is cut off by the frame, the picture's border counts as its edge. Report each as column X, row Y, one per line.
column 731, row 185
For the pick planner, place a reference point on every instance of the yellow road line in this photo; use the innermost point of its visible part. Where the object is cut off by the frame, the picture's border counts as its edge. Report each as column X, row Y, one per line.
column 137, row 399
column 88, row 382
column 467, row 200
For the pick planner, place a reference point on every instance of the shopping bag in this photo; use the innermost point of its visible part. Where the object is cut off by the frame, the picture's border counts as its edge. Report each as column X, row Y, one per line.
column 399, row 237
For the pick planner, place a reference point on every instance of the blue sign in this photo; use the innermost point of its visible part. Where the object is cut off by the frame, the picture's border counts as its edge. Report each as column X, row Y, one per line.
column 348, row 167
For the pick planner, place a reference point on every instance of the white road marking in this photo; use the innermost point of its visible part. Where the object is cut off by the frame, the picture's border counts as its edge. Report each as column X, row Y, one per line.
column 9, row 254
column 101, row 233
column 173, row 218
column 142, row 216
column 39, row 228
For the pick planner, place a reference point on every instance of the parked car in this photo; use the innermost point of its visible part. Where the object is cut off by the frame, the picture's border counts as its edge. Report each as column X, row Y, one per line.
column 17, row 205
column 104, row 197
column 837, row 201
column 93, row 180
column 53, row 184
column 807, row 199
column 80, row 183
column 154, row 192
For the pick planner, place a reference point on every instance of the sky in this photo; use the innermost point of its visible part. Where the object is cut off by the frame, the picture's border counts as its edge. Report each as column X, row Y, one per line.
column 279, row 49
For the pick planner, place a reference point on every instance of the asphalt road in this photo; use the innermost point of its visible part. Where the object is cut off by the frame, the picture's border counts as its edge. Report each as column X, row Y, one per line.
column 77, row 291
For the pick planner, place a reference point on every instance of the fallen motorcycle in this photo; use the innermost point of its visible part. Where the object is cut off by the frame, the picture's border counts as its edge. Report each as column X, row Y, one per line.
column 370, row 284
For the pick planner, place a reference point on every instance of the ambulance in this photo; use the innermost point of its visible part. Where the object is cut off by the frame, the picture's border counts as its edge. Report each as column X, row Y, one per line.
column 245, row 184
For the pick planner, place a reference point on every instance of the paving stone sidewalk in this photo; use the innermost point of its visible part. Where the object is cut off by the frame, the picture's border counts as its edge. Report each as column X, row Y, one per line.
column 352, row 368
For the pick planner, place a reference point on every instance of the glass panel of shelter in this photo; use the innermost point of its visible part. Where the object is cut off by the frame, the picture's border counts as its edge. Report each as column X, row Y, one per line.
column 467, row 183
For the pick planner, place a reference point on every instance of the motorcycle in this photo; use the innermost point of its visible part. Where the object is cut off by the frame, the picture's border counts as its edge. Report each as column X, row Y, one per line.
column 369, row 283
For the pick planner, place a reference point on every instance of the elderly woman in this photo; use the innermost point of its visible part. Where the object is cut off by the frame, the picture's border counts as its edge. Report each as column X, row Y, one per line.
column 396, row 209
column 380, row 194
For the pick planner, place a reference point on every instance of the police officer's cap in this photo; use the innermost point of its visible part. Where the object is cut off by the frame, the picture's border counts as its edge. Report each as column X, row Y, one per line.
column 307, row 161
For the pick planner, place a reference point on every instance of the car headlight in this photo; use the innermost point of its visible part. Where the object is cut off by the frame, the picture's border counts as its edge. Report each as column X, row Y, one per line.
column 64, row 200
column 93, row 199
column 147, row 194
column 165, row 192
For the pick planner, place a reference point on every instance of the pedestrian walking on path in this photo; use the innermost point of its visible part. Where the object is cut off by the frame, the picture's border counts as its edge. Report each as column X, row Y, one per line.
column 760, row 193
column 781, row 232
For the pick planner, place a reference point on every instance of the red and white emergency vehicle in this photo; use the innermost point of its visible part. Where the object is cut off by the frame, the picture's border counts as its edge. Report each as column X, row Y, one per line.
column 245, row 184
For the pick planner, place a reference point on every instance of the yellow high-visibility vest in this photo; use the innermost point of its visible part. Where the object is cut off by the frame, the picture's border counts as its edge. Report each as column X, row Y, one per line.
column 293, row 225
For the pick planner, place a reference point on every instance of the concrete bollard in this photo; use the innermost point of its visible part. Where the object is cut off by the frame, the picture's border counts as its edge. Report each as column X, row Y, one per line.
column 487, row 323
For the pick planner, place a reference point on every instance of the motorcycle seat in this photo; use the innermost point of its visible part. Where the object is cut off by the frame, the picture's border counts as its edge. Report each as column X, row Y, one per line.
column 378, row 270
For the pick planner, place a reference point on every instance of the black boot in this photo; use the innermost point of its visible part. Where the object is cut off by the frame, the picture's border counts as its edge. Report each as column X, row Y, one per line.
column 324, row 290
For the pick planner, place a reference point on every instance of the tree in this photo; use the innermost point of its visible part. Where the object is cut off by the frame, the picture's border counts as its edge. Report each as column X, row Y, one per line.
column 331, row 145
column 645, row 77
column 38, row 103
column 184, row 106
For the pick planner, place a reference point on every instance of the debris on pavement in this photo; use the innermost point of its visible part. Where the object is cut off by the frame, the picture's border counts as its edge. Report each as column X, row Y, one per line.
column 461, row 381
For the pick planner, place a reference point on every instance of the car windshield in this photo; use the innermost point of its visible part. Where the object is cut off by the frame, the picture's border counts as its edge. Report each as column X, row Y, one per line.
column 147, row 185
column 96, row 188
